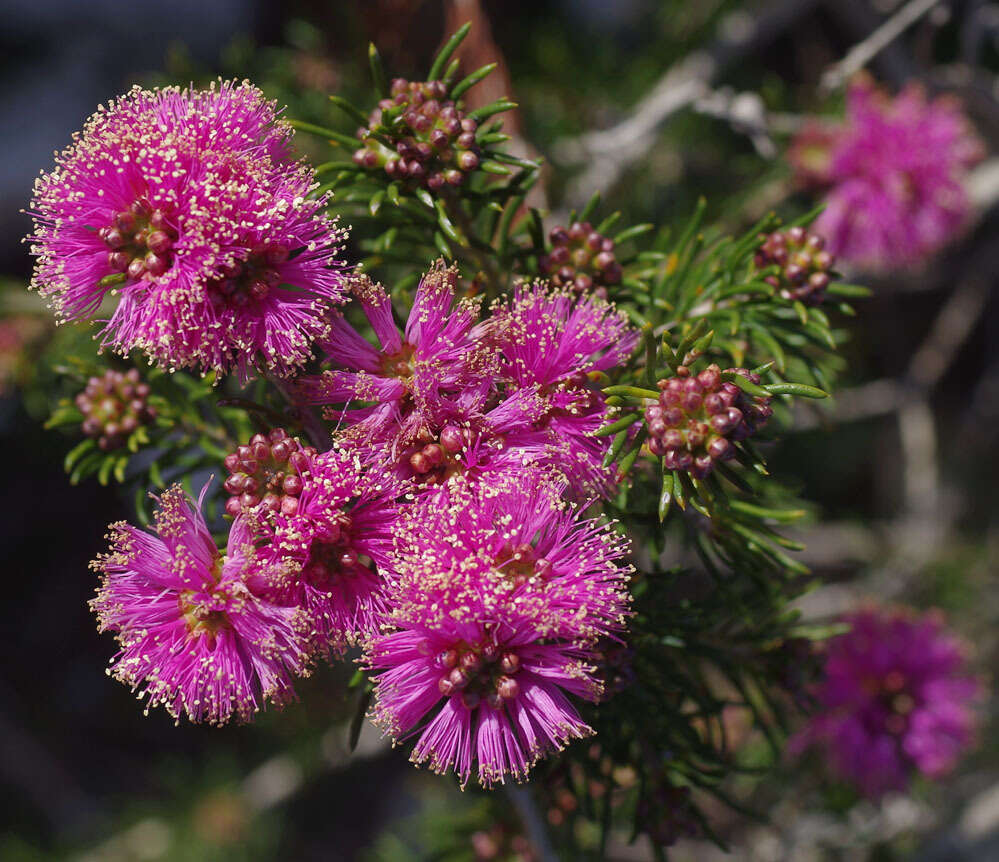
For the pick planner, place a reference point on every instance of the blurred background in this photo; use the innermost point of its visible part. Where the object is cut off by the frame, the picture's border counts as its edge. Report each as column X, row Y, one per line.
column 900, row 468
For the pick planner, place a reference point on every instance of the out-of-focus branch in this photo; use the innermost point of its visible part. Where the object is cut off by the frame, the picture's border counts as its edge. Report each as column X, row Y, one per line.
column 865, row 51
column 607, row 153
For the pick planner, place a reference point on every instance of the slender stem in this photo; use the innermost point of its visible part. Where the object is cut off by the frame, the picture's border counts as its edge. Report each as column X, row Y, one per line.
column 531, row 818
column 478, row 258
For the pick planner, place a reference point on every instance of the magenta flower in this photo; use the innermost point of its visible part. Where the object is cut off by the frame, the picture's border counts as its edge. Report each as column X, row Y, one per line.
column 554, row 340
column 437, row 363
column 516, row 538
column 896, row 168
column 896, row 699
column 193, row 637
column 184, row 205
column 341, row 535
column 500, row 599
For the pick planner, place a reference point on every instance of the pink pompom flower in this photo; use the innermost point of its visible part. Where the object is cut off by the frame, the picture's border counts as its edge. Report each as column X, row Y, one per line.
column 437, row 362
column 896, row 699
column 340, row 532
column 193, row 637
column 500, row 598
column 184, row 208
column 895, row 170
column 554, row 340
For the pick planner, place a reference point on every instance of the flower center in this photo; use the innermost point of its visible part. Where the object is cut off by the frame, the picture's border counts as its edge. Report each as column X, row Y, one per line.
column 203, row 614
column 249, row 280
column 431, row 460
column 399, row 364
column 473, row 673
column 139, row 241
column 334, row 559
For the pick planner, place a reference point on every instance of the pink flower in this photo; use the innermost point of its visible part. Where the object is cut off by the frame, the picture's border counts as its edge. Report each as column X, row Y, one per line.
column 896, row 170
column 896, row 699
column 184, row 206
column 552, row 339
column 437, row 363
column 341, row 535
column 501, row 596
column 193, row 636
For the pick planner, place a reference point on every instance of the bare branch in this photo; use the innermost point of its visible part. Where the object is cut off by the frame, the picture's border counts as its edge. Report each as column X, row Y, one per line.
column 863, row 52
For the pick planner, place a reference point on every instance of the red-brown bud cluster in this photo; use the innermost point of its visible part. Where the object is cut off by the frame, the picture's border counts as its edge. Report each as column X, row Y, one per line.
column 698, row 418
column 139, row 242
column 432, row 140
column 433, row 460
column 478, row 673
column 267, row 472
column 113, row 406
column 581, row 258
column 804, row 264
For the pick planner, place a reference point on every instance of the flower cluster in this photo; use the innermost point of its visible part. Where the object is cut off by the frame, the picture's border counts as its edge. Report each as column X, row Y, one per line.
column 894, row 170
column 451, row 394
column 420, row 135
column 215, row 636
column 896, row 699
column 581, row 259
column 698, row 419
column 437, row 533
column 185, row 210
column 802, row 261
column 113, row 406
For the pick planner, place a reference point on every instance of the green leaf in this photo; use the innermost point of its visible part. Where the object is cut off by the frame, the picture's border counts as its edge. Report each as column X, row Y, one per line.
column 799, row 389
column 451, row 72
column 375, row 204
column 632, row 232
column 64, row 414
column 492, row 108
column 447, row 226
column 491, row 166
column 666, row 495
column 855, row 291
column 621, row 424
column 119, row 468
column 156, row 475
column 506, row 158
column 425, row 198
column 357, row 721
column 445, row 53
column 377, row 70
column 745, row 385
column 105, row 471
column 632, row 392
column 605, row 226
column 350, row 110
column 77, row 452
column 471, row 80
column 590, row 208
column 619, row 442
column 442, row 245
column 331, row 135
